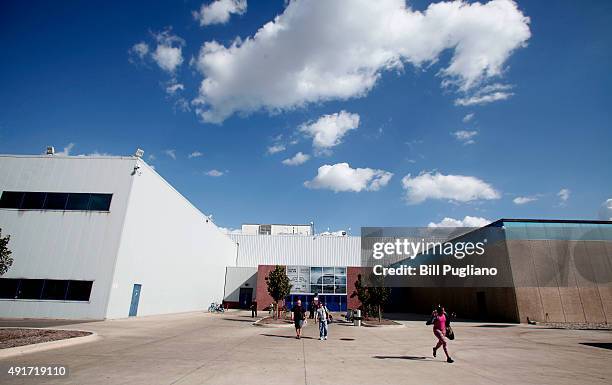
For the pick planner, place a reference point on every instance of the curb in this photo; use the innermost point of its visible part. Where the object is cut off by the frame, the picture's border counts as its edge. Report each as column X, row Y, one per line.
column 42, row 346
column 382, row 326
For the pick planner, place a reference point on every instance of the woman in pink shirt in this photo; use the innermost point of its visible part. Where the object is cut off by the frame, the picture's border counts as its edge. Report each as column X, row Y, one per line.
column 439, row 330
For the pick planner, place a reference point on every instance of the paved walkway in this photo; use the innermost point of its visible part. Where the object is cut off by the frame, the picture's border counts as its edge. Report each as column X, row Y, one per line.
column 199, row 348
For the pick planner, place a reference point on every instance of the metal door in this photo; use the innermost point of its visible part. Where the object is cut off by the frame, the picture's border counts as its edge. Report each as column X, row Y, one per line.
column 135, row 300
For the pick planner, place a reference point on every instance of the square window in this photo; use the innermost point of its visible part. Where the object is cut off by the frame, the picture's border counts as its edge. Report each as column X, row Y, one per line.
column 11, row 199
column 54, row 289
column 77, row 201
column 30, row 289
column 33, row 201
column 56, row 201
column 100, row 202
column 79, row 290
column 8, row 288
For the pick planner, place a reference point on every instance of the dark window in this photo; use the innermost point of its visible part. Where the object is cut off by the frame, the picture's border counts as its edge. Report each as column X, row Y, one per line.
column 56, row 201
column 54, row 289
column 27, row 200
column 77, row 201
column 30, row 288
column 11, row 199
column 8, row 288
column 33, row 201
column 79, row 290
column 100, row 202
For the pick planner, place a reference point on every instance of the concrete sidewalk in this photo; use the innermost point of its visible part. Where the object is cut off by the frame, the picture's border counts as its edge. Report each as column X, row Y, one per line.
column 200, row 348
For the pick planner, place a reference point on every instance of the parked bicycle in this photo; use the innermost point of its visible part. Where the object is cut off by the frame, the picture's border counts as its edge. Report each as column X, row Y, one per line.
column 216, row 307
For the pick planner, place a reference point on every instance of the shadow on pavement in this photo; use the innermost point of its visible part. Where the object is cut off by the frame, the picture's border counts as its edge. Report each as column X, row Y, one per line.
column 602, row 345
column 413, row 358
column 240, row 320
column 494, row 326
column 290, row 337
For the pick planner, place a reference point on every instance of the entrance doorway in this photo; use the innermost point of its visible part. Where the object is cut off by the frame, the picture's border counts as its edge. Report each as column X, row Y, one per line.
column 246, row 297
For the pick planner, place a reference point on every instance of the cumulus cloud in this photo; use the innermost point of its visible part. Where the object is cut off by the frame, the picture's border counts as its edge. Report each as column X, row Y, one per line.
column 467, row 221
column 214, row 173
column 335, row 50
column 219, row 11
column 465, row 137
column 171, row 153
column 139, row 50
column 341, row 177
column 563, row 195
column 273, row 149
column 297, row 159
column 195, row 154
column 459, row 188
column 328, row 130
column 605, row 211
column 467, row 118
column 169, row 52
column 523, row 200
column 485, row 95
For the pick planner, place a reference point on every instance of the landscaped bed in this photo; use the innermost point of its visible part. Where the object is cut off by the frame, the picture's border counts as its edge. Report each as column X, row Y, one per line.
column 13, row 337
column 271, row 321
column 383, row 322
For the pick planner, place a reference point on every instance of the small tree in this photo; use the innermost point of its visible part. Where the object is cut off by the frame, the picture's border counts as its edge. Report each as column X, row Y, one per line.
column 378, row 296
column 373, row 298
column 279, row 286
column 6, row 260
column 361, row 292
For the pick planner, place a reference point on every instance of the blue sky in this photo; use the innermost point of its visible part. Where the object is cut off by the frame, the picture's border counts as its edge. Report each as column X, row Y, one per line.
column 72, row 77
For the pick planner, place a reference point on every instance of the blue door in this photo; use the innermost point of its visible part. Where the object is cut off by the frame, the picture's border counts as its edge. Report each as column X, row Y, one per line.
column 135, row 299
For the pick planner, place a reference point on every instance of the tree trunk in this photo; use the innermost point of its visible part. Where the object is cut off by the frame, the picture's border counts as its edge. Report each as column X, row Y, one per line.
column 275, row 310
column 379, row 314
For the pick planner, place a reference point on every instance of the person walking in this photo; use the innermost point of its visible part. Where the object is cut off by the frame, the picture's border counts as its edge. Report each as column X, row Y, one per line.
column 439, row 320
column 322, row 315
column 298, row 314
column 253, row 309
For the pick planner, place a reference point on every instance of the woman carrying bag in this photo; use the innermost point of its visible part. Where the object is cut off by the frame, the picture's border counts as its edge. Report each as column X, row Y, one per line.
column 441, row 329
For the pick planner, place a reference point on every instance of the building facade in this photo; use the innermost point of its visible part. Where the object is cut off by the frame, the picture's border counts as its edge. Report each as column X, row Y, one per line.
column 104, row 237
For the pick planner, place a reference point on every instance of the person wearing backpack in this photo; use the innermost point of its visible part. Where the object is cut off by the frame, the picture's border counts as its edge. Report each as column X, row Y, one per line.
column 322, row 315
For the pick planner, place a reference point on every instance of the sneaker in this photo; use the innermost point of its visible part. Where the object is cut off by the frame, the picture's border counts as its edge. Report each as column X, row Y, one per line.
column 450, row 360
column 321, row 338
column 434, row 352
column 325, row 337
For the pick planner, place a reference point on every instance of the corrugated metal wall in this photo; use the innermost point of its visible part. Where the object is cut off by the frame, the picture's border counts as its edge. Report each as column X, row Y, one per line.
column 254, row 250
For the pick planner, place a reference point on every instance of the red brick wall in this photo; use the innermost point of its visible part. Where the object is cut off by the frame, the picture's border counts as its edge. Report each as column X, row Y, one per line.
column 261, row 293
column 351, row 278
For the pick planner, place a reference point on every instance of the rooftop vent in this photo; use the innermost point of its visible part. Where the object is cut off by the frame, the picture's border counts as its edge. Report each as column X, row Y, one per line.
column 139, row 153
column 50, row 150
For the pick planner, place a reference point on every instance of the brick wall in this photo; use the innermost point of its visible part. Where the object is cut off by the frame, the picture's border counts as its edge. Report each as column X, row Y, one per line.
column 262, row 296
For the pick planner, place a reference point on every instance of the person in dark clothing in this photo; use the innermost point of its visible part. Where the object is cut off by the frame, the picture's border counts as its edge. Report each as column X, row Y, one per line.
column 253, row 309
column 298, row 314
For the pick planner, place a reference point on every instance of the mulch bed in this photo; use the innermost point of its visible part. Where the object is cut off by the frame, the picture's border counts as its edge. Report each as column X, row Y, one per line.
column 374, row 321
column 13, row 337
column 576, row 326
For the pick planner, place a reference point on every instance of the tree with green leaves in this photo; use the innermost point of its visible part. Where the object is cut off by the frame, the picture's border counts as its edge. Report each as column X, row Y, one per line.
column 373, row 296
column 279, row 286
column 6, row 260
column 361, row 292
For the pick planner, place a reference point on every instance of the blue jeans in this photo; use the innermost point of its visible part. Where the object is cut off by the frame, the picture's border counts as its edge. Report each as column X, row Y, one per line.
column 323, row 329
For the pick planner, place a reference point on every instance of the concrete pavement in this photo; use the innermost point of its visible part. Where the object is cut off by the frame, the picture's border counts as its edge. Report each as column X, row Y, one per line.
column 198, row 348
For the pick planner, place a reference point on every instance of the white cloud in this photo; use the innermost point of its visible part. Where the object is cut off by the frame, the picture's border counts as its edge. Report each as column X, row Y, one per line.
column 328, row 130
column 467, row 118
column 173, row 87
column 341, row 177
column 169, row 52
column 485, row 95
column 214, row 173
column 523, row 200
column 465, row 137
column 459, row 188
column 318, row 51
column 171, row 153
column 226, row 230
column 467, row 221
column 276, row 148
column 605, row 211
column 297, row 159
column 139, row 50
column 219, row 11
column 66, row 150
column 195, row 154
column 563, row 195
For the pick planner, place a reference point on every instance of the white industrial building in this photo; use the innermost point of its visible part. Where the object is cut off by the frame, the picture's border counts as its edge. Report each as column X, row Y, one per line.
column 104, row 237
column 276, row 229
